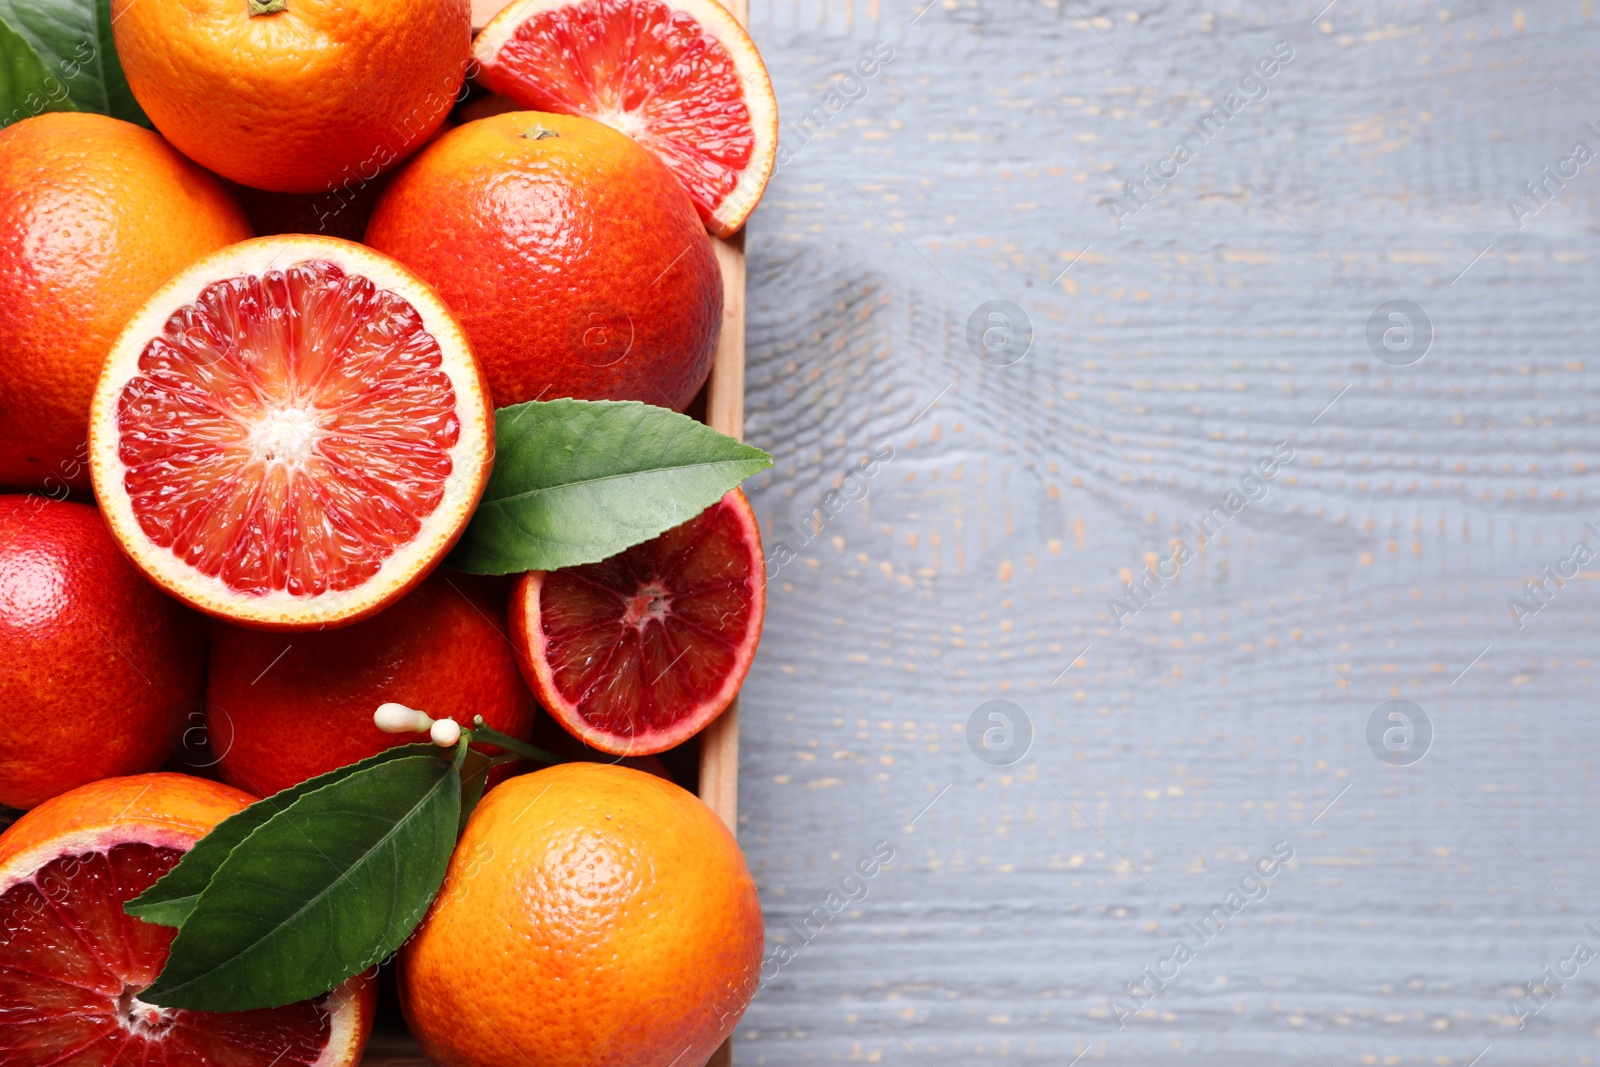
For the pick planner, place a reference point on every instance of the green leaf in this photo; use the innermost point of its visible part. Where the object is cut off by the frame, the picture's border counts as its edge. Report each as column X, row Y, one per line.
column 578, row 481
column 73, row 40
column 120, row 101
column 25, row 83
column 321, row 891
column 173, row 897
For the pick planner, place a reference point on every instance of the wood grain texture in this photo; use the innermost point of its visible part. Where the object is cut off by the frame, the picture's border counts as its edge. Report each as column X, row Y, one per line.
column 719, row 742
column 1229, row 713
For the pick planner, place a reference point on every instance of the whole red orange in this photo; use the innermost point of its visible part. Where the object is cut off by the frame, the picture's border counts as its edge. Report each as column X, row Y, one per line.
column 98, row 668
column 592, row 916
column 572, row 256
column 285, row 707
column 297, row 96
column 95, row 214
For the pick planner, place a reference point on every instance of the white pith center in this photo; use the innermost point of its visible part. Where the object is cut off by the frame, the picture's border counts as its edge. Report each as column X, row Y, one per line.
column 627, row 122
column 648, row 603
column 285, row 435
column 146, row 1020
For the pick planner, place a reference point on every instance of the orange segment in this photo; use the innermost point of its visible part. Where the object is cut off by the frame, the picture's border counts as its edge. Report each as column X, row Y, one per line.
column 635, row 654
column 291, row 433
column 681, row 78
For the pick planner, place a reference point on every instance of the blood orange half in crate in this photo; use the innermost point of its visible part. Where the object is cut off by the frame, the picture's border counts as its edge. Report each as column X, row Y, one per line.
column 72, row 964
column 291, row 433
column 637, row 653
column 681, row 78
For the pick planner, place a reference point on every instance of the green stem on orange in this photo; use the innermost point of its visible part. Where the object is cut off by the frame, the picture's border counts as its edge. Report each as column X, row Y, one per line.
column 490, row 736
column 267, row 7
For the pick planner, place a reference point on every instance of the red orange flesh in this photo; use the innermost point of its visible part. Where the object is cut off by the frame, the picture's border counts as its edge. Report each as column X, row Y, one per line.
column 637, row 653
column 72, row 962
column 291, row 433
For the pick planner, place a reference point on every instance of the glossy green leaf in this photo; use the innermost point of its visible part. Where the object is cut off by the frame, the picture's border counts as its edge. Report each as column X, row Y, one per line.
column 578, row 481
column 72, row 38
column 25, row 83
column 173, row 897
column 320, row 891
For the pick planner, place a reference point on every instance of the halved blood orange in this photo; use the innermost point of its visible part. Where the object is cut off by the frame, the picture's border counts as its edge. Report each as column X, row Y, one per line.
column 291, row 433
column 72, row 964
column 638, row 653
column 682, row 78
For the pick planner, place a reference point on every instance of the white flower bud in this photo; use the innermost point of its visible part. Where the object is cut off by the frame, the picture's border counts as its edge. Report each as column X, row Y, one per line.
column 399, row 719
column 445, row 732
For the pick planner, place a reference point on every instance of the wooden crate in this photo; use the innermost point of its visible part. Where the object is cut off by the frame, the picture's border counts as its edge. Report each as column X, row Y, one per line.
column 724, row 411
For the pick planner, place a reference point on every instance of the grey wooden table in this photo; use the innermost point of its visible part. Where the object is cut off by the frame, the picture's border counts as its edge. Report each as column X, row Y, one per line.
column 1234, row 311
